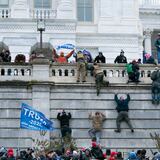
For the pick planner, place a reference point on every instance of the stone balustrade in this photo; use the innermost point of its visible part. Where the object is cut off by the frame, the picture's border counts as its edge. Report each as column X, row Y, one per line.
column 115, row 73
column 43, row 13
column 149, row 2
column 5, row 13
column 13, row 71
column 66, row 73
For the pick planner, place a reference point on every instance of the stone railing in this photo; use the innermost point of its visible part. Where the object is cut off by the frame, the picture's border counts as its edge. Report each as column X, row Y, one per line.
column 43, row 13
column 115, row 73
column 66, row 73
column 13, row 71
column 149, row 2
column 5, row 13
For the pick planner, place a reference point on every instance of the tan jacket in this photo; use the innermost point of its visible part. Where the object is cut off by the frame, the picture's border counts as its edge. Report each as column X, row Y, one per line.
column 97, row 121
column 97, row 70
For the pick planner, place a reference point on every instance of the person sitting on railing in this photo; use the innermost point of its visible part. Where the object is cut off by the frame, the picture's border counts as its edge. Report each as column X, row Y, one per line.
column 133, row 71
column 61, row 58
column 155, row 76
column 121, row 58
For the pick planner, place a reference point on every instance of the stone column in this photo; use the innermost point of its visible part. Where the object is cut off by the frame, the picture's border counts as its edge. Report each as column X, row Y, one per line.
column 41, row 92
column 20, row 9
column 147, row 40
column 65, row 9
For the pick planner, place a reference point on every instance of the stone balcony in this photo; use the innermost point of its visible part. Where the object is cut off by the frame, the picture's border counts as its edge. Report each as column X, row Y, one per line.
column 43, row 13
column 66, row 73
column 149, row 6
column 5, row 13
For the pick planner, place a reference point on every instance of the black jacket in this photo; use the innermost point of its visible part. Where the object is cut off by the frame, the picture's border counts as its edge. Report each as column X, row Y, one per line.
column 120, row 59
column 100, row 59
column 64, row 118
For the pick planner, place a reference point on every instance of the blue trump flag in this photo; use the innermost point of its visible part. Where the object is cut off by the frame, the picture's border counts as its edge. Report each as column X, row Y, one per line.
column 33, row 119
column 66, row 46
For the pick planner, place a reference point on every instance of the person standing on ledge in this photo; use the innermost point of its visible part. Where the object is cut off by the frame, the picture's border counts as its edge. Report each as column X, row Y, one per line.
column 81, row 66
column 122, row 109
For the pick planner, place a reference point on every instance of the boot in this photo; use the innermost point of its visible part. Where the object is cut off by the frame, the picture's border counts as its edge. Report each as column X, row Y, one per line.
column 117, row 130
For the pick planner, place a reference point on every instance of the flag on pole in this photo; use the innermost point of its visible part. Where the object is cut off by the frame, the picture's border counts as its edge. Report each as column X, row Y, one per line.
column 89, row 56
column 33, row 119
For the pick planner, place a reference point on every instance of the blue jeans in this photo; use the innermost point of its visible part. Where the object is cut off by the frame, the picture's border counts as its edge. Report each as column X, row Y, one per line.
column 156, row 96
column 95, row 134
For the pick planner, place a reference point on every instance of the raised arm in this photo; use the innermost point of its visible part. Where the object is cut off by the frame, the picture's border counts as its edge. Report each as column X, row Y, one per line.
column 116, row 97
column 95, row 60
column 70, row 54
column 90, row 116
column 54, row 54
column 58, row 116
column 128, row 97
column 69, row 115
column 103, row 116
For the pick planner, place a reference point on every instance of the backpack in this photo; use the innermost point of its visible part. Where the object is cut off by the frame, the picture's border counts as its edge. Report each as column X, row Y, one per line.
column 129, row 68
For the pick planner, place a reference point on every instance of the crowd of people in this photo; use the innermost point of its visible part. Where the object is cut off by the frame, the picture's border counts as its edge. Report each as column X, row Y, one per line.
column 94, row 152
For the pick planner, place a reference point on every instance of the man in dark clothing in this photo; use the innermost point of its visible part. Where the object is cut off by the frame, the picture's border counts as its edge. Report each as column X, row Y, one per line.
column 121, row 58
column 96, row 151
column 64, row 118
column 155, row 77
column 157, row 45
column 100, row 58
column 122, row 109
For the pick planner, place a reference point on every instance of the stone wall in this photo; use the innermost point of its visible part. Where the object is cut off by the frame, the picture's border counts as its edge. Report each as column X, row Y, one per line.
column 53, row 93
